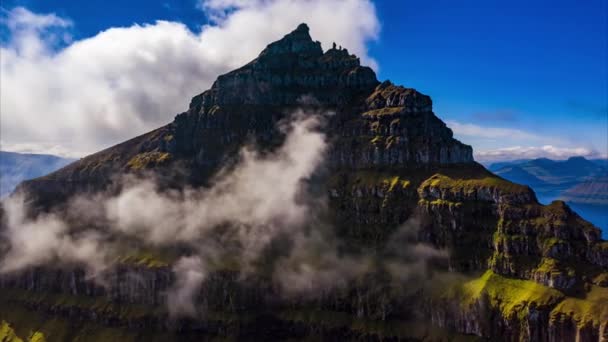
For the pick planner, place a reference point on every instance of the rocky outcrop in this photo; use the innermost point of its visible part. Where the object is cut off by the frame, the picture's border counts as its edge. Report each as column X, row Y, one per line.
column 375, row 124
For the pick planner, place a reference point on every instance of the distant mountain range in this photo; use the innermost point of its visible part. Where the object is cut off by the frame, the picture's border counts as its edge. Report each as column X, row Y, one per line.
column 593, row 191
column 580, row 182
column 553, row 179
column 17, row 167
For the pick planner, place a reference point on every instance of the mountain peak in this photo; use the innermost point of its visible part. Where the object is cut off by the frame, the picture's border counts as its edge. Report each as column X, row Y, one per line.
column 578, row 159
column 297, row 42
column 302, row 28
column 288, row 69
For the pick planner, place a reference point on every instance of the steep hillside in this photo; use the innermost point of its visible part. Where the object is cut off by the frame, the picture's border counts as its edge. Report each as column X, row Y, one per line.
column 408, row 237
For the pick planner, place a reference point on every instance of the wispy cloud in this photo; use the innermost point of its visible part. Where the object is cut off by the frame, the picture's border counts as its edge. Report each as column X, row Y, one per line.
column 477, row 131
column 22, row 19
column 531, row 152
column 53, row 148
column 505, row 143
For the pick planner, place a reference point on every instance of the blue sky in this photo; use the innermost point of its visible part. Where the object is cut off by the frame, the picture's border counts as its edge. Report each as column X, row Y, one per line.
column 536, row 66
column 512, row 78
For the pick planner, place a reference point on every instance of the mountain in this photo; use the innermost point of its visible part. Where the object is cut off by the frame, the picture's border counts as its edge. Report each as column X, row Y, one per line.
column 601, row 162
column 518, row 175
column 406, row 236
column 495, row 166
column 249, row 101
column 592, row 191
column 17, row 167
column 550, row 178
column 572, row 170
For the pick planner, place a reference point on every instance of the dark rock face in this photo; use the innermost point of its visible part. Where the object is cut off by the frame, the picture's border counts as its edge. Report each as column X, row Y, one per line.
column 375, row 124
column 286, row 70
column 391, row 160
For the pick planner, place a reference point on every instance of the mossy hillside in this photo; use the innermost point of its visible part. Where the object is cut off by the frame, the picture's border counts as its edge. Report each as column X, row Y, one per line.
column 367, row 206
column 512, row 297
column 37, row 337
column 386, row 142
column 441, row 203
column 7, row 334
column 371, row 178
column 601, row 279
column 523, row 256
column 544, row 242
column 462, row 186
column 147, row 160
column 389, row 95
column 590, row 308
column 146, row 260
column 495, row 235
column 147, row 256
column 386, row 111
column 464, row 229
column 399, row 199
column 112, row 159
column 371, row 189
column 550, row 265
column 557, row 218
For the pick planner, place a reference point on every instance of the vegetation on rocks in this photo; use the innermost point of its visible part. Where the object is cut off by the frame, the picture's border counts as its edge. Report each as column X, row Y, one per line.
column 468, row 186
column 512, row 297
column 148, row 159
column 590, row 308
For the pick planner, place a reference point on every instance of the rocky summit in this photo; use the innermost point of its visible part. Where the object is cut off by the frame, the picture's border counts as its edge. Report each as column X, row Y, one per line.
column 497, row 264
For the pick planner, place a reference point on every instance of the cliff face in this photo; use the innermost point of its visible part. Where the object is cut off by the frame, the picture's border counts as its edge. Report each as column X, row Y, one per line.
column 375, row 124
column 527, row 271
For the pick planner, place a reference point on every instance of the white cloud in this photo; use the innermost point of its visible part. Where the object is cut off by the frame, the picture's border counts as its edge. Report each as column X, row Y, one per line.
column 251, row 194
column 21, row 18
column 472, row 130
column 101, row 90
column 501, row 143
column 190, row 273
column 45, row 239
column 531, row 152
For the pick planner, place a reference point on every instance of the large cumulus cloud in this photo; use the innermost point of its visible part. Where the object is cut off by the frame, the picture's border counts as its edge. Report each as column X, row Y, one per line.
column 75, row 97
